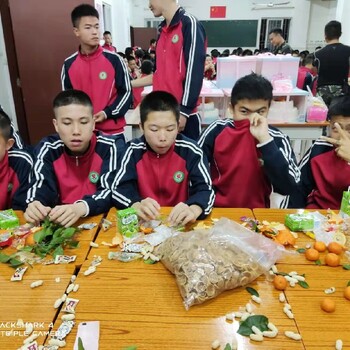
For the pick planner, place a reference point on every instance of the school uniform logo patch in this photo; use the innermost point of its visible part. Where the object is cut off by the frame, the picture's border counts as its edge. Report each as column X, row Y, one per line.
column 94, row 177
column 9, row 187
column 179, row 176
column 175, row 39
column 103, row 75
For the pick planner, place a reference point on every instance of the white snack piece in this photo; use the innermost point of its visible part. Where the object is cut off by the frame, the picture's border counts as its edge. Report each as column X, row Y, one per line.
column 36, row 284
column 256, row 337
column 249, row 308
column 57, row 279
column 68, row 317
column 70, row 288
column 29, row 328
column 57, row 303
column 339, row 345
column 215, row 344
column 93, row 245
column 90, row 270
column 59, row 343
column 282, row 298
column 230, row 317
column 76, row 287
column 73, row 278
column 292, row 335
column 256, row 299
column 31, row 338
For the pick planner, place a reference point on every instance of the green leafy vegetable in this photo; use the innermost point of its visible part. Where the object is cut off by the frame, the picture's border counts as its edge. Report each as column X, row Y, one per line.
column 303, row 284
column 301, row 250
column 132, row 347
column 80, row 344
column 149, row 261
column 228, row 347
column 259, row 321
column 348, row 284
column 252, row 291
column 15, row 263
column 318, row 262
column 346, row 267
column 4, row 258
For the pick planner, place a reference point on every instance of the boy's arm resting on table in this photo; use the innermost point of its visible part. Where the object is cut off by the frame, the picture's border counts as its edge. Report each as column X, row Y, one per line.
column 201, row 191
column 124, row 93
column 280, row 163
column 194, row 49
column 124, row 182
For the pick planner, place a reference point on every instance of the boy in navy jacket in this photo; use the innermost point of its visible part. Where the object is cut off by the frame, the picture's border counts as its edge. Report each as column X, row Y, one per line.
column 163, row 168
column 15, row 168
column 248, row 158
column 325, row 169
column 100, row 73
column 71, row 166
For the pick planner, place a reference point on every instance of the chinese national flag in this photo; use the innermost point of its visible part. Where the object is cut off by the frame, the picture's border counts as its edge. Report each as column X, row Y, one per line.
column 217, row 11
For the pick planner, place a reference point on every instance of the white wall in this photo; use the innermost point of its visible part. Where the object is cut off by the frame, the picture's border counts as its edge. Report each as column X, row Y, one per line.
column 342, row 15
column 238, row 10
column 6, row 97
column 320, row 14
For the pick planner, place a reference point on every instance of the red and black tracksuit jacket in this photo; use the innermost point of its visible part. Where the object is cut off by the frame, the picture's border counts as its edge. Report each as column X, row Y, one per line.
column 324, row 177
column 180, row 58
column 243, row 172
column 104, row 77
column 60, row 178
column 15, row 174
column 180, row 175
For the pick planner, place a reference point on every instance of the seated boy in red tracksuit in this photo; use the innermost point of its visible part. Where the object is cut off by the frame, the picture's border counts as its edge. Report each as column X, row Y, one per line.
column 248, row 158
column 163, row 168
column 100, row 73
column 71, row 166
column 325, row 168
column 15, row 168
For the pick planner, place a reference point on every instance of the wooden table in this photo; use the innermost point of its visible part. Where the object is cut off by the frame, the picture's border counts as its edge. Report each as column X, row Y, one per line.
column 139, row 304
column 19, row 301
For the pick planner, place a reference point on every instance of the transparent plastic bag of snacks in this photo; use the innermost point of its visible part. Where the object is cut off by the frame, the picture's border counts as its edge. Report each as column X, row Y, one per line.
column 208, row 262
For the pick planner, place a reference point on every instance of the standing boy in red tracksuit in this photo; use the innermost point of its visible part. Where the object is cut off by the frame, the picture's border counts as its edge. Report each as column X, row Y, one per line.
column 248, row 158
column 163, row 168
column 15, row 168
column 325, row 168
column 107, row 37
column 180, row 58
column 99, row 73
column 72, row 166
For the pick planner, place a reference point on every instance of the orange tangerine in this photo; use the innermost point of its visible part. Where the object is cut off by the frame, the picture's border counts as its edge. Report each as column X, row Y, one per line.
column 328, row 305
column 335, row 248
column 347, row 293
column 312, row 254
column 332, row 260
column 320, row 246
column 280, row 283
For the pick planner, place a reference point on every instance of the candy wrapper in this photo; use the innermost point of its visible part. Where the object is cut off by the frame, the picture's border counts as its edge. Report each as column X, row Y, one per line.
column 299, row 222
column 8, row 219
column 128, row 222
column 207, row 262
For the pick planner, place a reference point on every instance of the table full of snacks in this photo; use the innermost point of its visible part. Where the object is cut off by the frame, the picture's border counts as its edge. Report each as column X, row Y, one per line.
column 240, row 279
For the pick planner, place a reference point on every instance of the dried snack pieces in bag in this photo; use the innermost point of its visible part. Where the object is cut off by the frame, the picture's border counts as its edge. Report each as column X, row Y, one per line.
column 208, row 262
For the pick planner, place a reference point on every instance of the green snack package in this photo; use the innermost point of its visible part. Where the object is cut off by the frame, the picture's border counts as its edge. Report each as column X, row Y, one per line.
column 345, row 205
column 128, row 222
column 8, row 219
column 299, row 222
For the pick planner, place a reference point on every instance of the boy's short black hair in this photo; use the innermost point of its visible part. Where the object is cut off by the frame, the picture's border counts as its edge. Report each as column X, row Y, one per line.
column 70, row 97
column 340, row 105
column 152, row 41
column 107, row 33
column 251, row 87
column 152, row 52
column 159, row 101
column 309, row 59
column 276, row 31
column 147, row 67
column 130, row 58
column 5, row 125
column 332, row 30
column 129, row 51
column 83, row 10
column 139, row 53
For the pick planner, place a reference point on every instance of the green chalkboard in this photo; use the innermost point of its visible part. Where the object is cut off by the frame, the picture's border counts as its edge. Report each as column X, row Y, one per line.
column 232, row 33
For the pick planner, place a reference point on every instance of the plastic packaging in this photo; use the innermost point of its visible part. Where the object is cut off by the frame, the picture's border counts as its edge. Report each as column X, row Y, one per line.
column 208, row 262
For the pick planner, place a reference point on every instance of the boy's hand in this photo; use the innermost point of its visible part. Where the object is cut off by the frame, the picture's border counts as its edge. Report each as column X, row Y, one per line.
column 183, row 214
column 100, row 117
column 36, row 212
column 68, row 214
column 147, row 209
column 342, row 145
column 259, row 127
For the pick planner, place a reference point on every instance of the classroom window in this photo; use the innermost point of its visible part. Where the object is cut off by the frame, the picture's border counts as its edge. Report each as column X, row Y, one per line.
column 152, row 22
column 270, row 23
